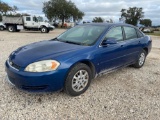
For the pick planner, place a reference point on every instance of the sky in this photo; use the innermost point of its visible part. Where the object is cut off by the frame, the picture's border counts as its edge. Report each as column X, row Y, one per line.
column 96, row 8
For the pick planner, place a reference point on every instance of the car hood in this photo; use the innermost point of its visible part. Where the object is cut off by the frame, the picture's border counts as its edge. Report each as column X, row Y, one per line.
column 41, row 51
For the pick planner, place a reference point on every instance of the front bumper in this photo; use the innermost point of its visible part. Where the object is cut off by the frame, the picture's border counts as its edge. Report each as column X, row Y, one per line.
column 51, row 28
column 36, row 82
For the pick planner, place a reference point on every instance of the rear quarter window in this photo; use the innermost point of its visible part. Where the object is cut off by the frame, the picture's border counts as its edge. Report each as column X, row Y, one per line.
column 139, row 34
column 130, row 33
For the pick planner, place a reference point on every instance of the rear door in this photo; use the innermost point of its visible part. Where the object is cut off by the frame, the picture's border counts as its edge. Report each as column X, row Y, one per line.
column 31, row 22
column 132, row 44
column 28, row 21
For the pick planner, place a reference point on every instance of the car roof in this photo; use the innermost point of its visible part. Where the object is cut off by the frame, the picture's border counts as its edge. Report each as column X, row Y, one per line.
column 109, row 24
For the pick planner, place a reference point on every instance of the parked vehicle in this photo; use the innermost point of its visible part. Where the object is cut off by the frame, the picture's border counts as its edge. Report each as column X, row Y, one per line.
column 74, row 58
column 146, row 30
column 66, row 24
column 15, row 24
column 2, row 26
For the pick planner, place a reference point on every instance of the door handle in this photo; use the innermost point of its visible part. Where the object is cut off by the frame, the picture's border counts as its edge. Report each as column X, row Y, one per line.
column 139, row 42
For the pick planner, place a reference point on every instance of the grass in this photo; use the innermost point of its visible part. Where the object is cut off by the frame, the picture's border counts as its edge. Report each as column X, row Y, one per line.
column 157, row 33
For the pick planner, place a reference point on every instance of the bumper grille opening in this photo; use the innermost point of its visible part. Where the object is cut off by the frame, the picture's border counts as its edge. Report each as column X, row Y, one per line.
column 34, row 88
column 14, row 65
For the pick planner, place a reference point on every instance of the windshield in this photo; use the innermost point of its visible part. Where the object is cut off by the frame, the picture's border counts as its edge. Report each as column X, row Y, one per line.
column 82, row 35
column 40, row 19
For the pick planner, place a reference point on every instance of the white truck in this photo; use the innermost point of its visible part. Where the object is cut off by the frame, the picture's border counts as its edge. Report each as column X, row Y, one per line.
column 2, row 26
column 15, row 24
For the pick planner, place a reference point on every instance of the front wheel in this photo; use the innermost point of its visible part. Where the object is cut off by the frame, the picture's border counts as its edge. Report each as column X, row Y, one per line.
column 141, row 59
column 78, row 80
column 44, row 30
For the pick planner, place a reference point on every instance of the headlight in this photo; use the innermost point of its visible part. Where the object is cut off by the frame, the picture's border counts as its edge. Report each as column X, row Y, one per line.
column 42, row 66
column 49, row 25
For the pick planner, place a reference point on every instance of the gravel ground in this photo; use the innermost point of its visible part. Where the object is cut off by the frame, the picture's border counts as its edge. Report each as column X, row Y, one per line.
column 128, row 93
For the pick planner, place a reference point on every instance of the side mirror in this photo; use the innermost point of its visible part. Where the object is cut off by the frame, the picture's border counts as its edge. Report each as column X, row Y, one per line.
column 109, row 41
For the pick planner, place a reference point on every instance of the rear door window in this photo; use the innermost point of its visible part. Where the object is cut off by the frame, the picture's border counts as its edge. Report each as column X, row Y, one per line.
column 130, row 33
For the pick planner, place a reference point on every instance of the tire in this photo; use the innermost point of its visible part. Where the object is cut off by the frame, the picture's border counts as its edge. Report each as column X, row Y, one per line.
column 141, row 59
column 1, row 28
column 11, row 29
column 44, row 30
column 48, row 31
column 76, row 84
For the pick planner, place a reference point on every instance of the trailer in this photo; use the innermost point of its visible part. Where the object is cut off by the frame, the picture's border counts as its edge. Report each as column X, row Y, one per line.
column 15, row 24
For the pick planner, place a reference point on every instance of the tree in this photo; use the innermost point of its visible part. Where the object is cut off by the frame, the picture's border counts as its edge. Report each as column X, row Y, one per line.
column 98, row 19
column 61, row 9
column 132, row 15
column 146, row 22
column 4, row 8
column 77, row 14
column 110, row 21
column 14, row 8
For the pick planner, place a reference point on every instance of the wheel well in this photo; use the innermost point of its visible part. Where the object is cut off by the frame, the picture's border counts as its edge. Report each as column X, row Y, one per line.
column 42, row 26
column 91, row 66
column 146, row 50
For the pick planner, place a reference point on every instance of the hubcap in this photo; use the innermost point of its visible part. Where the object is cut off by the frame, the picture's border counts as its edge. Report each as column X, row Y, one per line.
column 10, row 29
column 43, row 30
column 80, row 80
column 141, row 59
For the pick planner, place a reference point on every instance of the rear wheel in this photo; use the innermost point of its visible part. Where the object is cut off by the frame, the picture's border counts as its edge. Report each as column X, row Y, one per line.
column 44, row 30
column 78, row 80
column 11, row 29
column 141, row 59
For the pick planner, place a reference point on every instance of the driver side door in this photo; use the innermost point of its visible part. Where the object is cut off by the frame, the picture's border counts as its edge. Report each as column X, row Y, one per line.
column 111, row 56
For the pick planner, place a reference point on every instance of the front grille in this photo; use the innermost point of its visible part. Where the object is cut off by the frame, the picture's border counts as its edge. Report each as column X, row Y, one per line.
column 14, row 65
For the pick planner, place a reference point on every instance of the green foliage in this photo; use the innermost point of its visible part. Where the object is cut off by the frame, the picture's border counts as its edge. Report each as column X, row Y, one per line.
column 132, row 15
column 98, row 19
column 77, row 14
column 146, row 22
column 61, row 9
column 17, row 15
column 4, row 8
column 155, row 34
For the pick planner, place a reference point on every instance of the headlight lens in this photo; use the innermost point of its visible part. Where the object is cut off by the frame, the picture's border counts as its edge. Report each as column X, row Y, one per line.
column 49, row 25
column 42, row 66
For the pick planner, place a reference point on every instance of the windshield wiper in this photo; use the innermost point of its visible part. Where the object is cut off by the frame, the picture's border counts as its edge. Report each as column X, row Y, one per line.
column 56, row 39
column 72, row 42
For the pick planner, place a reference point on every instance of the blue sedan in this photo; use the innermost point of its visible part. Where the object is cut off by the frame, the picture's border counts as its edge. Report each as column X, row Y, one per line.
column 71, row 60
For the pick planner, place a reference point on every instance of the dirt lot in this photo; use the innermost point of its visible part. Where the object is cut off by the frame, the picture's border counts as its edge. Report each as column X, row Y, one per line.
column 128, row 93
